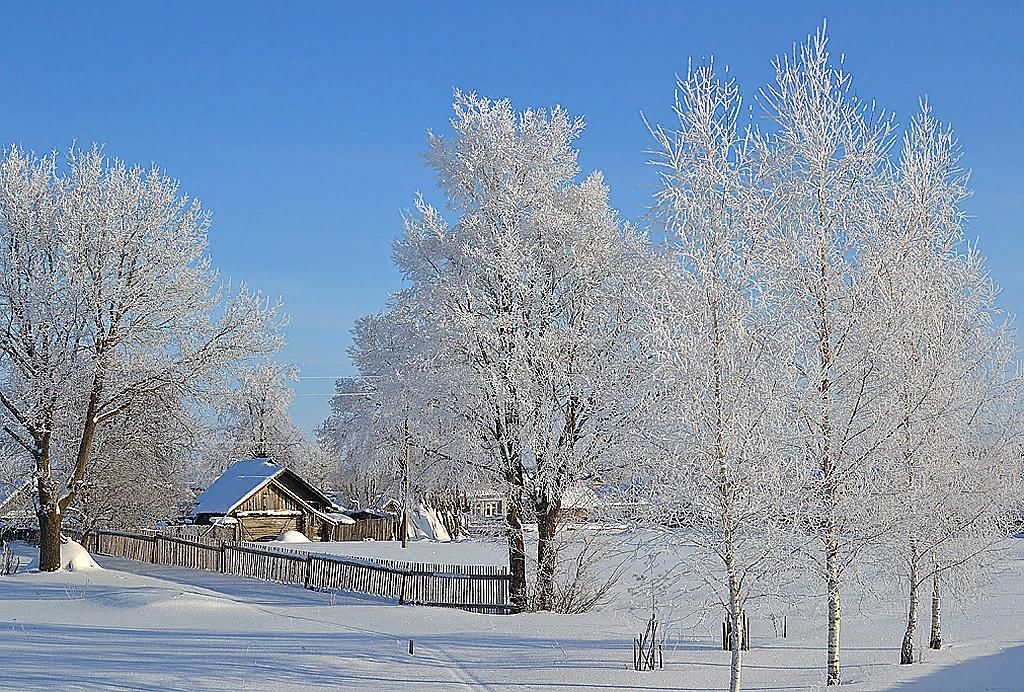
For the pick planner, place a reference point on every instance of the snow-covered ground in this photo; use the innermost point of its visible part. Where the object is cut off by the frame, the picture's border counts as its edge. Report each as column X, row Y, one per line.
column 138, row 626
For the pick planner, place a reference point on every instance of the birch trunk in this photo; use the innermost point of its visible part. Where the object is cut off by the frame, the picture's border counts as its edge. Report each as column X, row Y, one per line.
column 936, row 636
column 736, row 637
column 907, row 650
column 834, row 608
column 726, row 494
column 831, row 500
column 828, row 452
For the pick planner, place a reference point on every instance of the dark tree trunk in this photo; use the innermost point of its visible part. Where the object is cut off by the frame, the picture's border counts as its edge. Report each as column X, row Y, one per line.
column 547, row 553
column 516, row 549
column 49, row 526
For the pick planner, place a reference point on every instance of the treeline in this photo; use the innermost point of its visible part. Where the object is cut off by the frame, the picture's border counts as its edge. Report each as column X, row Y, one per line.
column 799, row 366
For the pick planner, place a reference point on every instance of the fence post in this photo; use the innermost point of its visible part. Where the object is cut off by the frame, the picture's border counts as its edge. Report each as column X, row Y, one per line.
column 305, row 576
column 153, row 556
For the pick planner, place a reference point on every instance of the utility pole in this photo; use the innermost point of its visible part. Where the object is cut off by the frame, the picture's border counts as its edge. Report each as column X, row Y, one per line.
column 405, row 486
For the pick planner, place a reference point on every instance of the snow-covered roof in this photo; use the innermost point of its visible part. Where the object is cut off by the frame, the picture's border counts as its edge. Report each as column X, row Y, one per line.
column 9, row 492
column 339, row 518
column 238, row 482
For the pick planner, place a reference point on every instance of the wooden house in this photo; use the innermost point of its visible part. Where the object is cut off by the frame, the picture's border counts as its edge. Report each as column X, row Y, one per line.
column 263, row 500
column 488, row 506
column 17, row 510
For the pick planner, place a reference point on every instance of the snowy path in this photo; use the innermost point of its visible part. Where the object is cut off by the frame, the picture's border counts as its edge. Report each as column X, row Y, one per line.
column 139, row 626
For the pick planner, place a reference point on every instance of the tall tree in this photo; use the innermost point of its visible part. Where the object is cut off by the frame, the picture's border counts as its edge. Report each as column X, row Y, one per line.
column 515, row 321
column 254, row 421
column 946, row 355
column 825, row 161
column 106, row 295
column 139, row 467
column 725, row 479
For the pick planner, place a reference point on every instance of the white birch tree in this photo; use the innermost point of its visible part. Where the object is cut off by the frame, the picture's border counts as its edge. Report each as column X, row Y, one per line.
column 951, row 390
column 825, row 161
column 725, row 480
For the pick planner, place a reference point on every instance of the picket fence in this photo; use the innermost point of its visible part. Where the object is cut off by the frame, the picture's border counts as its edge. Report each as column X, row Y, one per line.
column 478, row 588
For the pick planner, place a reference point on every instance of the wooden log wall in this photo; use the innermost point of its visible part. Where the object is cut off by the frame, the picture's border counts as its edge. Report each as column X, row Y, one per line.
column 480, row 588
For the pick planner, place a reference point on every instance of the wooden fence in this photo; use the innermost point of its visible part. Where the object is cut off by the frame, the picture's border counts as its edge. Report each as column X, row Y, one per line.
column 380, row 529
column 220, row 532
column 479, row 588
column 377, row 529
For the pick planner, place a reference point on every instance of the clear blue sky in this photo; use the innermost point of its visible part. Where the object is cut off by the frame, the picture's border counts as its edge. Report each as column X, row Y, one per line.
column 300, row 125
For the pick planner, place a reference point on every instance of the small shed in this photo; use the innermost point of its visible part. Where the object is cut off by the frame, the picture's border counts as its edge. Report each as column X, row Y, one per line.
column 263, row 500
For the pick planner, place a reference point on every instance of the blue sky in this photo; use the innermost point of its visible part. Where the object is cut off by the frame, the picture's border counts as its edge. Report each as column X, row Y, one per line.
column 301, row 125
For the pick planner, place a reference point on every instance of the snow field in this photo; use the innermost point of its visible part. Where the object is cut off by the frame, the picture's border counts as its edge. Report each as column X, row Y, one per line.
column 139, row 626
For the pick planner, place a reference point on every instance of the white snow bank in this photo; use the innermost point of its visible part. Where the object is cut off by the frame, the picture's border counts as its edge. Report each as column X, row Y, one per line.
column 293, row 537
column 425, row 523
column 74, row 557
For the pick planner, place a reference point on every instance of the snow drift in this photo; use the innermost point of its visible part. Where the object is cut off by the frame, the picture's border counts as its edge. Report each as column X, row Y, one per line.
column 292, row 537
column 74, row 557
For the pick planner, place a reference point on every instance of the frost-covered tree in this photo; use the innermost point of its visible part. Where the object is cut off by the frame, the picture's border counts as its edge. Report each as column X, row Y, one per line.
column 723, row 478
column 254, row 421
column 950, row 390
column 364, row 474
column 378, row 416
column 515, row 322
column 107, row 297
column 825, row 165
column 139, row 468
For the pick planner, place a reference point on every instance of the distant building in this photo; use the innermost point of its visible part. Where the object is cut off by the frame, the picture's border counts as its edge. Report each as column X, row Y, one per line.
column 488, row 506
column 263, row 500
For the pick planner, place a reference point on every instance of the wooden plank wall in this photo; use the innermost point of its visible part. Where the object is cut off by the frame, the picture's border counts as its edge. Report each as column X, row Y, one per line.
column 479, row 588
column 381, row 529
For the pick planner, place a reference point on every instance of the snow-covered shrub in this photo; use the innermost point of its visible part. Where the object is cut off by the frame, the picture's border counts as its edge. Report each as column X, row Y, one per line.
column 583, row 582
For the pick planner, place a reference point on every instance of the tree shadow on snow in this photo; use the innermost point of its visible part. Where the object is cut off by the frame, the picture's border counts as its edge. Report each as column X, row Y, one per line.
column 250, row 591
column 1001, row 672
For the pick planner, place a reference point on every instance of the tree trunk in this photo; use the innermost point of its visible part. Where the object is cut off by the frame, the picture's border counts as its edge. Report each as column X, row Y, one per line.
column 907, row 650
column 936, row 638
column 516, row 549
column 737, row 633
column 547, row 553
column 834, row 606
column 50, row 517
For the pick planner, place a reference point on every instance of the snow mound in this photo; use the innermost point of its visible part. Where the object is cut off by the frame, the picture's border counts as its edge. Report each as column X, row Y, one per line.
column 293, row 537
column 74, row 557
column 426, row 524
